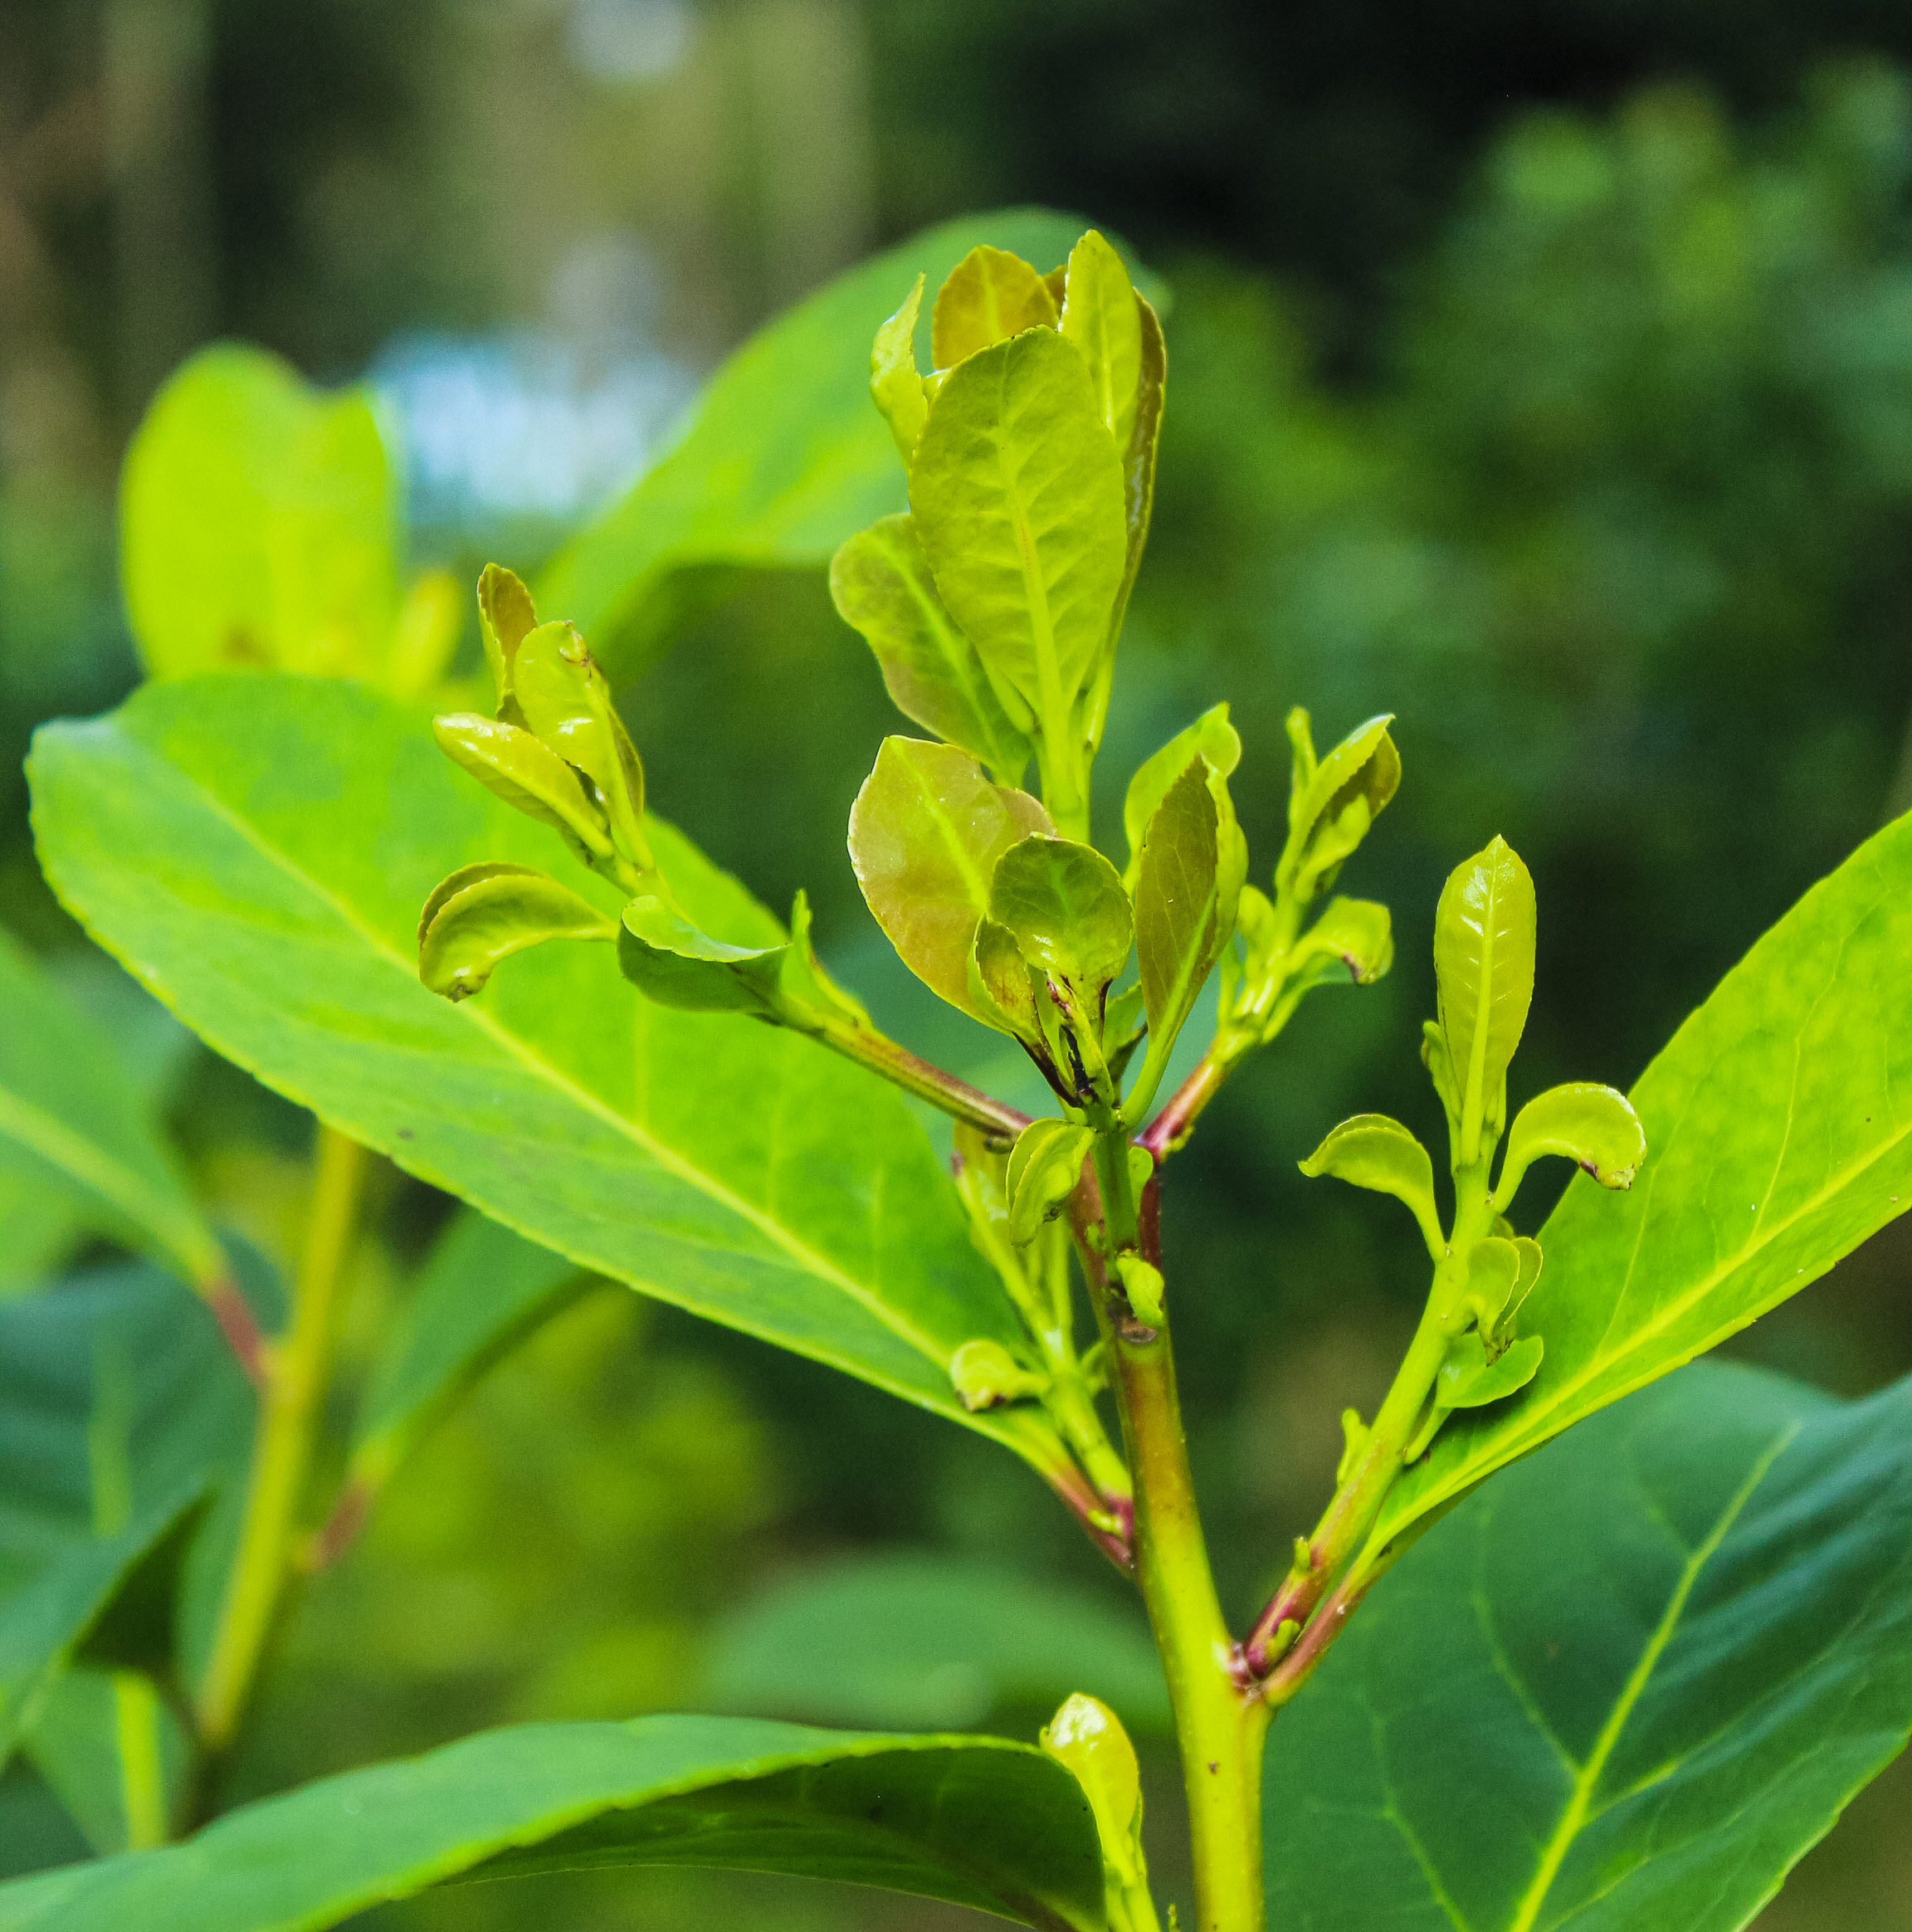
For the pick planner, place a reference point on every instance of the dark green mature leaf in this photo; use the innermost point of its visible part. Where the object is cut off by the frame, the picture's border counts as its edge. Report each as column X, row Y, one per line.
column 925, row 833
column 259, row 523
column 74, row 1127
column 782, row 458
column 1017, row 497
column 121, row 1408
column 882, row 586
column 257, row 848
column 1667, row 1653
column 921, row 1640
column 481, row 1289
column 1778, row 1126
column 977, row 1821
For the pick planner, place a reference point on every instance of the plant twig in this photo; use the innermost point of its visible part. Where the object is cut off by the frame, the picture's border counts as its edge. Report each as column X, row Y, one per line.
column 297, row 1370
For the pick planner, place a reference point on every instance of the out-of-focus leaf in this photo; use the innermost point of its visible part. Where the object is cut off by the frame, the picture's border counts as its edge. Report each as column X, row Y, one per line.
column 925, row 833
column 980, row 1821
column 1668, row 1651
column 75, row 1128
column 1064, row 904
column 781, row 458
column 492, row 911
column 1372, row 1151
column 1017, row 497
column 881, row 583
column 1779, row 1120
column 901, row 1639
column 259, row 523
column 121, row 1408
column 990, row 295
column 481, row 1289
column 111, row 1749
column 1483, row 962
column 257, row 848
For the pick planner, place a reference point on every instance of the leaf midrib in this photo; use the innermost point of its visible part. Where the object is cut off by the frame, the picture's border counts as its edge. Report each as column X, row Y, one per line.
column 672, row 1162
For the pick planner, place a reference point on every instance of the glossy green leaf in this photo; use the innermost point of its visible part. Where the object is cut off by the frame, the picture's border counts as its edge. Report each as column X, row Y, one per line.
column 980, row 1821
column 1484, row 931
column 565, row 700
column 1779, row 1120
column 1211, row 738
column 1100, row 316
column 1001, row 987
column 258, row 523
column 1016, row 495
column 1045, row 1166
column 1467, row 1379
column 526, row 773
column 677, row 965
column 75, row 1131
column 506, row 618
column 121, row 1409
column 988, row 296
column 256, row 849
column 895, row 382
column 112, row 1751
column 1668, row 1651
column 1064, row 906
column 1188, row 888
column 925, row 833
column 903, row 1641
column 1372, row 1151
column 484, row 913
column 1593, row 1126
column 781, row 458
column 882, row 586
column 481, row 1288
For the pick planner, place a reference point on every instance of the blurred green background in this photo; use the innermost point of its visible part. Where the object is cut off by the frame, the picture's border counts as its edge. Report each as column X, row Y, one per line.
column 1542, row 375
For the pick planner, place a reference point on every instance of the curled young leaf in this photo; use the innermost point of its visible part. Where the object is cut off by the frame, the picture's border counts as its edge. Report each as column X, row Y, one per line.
column 566, row 701
column 524, row 771
column 925, row 833
column 984, row 1373
column 1187, row 887
column 1333, row 801
column 1017, row 495
column 1374, row 1152
column 881, row 583
column 1001, row 990
column 1086, row 1736
column 506, row 618
column 895, row 382
column 1211, row 738
column 1044, row 1168
column 1493, row 1270
column 1142, row 1283
column 483, row 914
column 990, row 295
column 1065, row 906
column 1469, row 1379
column 1592, row 1125
column 671, row 961
column 1484, row 929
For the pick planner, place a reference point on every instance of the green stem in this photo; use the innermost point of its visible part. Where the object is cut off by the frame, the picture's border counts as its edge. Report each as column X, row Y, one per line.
column 1219, row 1727
column 289, row 1410
column 928, row 1082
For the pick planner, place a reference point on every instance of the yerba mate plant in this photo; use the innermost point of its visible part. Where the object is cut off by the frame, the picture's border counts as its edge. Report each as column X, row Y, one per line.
column 1627, row 1684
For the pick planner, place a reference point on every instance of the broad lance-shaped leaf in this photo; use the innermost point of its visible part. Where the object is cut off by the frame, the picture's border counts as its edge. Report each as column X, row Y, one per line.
column 989, row 296
column 1372, row 1151
column 882, row 586
column 979, row 1821
column 480, row 1289
column 257, row 848
column 1668, row 1651
column 1779, row 1122
column 73, row 1125
column 782, row 457
column 1016, row 496
column 1483, row 962
column 925, row 833
column 120, row 1409
column 483, row 914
